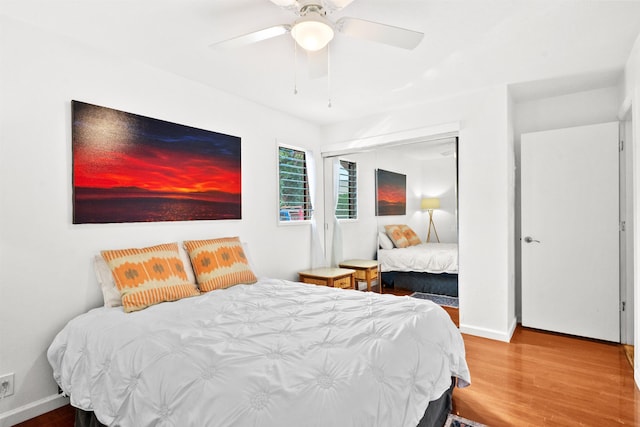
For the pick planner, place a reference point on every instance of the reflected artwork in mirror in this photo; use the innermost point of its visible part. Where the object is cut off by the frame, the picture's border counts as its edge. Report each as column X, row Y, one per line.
column 391, row 193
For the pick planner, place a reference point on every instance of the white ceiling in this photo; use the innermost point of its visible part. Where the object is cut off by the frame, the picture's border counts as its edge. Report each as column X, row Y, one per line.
column 468, row 44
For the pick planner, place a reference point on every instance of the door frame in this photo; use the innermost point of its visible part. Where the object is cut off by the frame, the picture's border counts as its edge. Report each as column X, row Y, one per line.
column 627, row 250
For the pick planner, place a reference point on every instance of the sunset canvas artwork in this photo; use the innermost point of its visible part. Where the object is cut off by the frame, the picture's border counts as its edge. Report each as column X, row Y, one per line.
column 131, row 168
column 391, row 193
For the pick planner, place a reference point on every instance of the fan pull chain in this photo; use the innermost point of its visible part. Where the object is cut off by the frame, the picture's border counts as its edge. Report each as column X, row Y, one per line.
column 329, row 76
column 295, row 67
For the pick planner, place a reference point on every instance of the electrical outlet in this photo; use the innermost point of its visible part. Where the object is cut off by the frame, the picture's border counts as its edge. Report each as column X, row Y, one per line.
column 6, row 385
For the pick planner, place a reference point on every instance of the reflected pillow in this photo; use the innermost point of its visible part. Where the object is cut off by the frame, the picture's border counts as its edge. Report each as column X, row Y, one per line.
column 384, row 241
column 395, row 234
column 410, row 235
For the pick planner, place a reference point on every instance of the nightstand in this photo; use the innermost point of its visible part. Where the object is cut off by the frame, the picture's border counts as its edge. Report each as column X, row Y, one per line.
column 365, row 270
column 332, row 277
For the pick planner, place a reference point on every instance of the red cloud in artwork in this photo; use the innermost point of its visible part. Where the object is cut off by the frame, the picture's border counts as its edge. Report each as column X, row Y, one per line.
column 391, row 193
column 175, row 172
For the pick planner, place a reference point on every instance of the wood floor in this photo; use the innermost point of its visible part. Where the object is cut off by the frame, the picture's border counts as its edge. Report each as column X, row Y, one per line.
column 61, row 417
column 545, row 379
column 539, row 379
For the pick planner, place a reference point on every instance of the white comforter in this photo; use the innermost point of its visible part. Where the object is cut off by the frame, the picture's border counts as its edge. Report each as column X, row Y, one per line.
column 275, row 353
column 426, row 257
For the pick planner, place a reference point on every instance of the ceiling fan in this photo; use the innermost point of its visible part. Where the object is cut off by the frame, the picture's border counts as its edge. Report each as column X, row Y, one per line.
column 312, row 30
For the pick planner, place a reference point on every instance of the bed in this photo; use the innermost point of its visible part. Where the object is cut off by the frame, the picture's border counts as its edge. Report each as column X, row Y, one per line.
column 274, row 353
column 426, row 267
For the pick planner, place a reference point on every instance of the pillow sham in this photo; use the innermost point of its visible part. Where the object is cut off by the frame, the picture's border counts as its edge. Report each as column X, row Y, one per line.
column 110, row 292
column 410, row 235
column 395, row 234
column 384, row 241
column 219, row 263
column 148, row 276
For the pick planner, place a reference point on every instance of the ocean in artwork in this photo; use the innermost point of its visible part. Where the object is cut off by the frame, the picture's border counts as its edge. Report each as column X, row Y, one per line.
column 107, row 210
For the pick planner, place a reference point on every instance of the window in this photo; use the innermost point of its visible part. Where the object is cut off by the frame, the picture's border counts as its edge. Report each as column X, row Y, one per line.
column 295, row 203
column 347, row 191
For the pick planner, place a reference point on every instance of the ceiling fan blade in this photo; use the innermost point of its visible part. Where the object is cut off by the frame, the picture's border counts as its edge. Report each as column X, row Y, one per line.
column 334, row 5
column 382, row 33
column 318, row 63
column 254, row 37
column 287, row 4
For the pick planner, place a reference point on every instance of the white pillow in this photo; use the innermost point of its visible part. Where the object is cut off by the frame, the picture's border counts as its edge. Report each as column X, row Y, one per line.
column 245, row 248
column 188, row 268
column 110, row 292
column 384, row 241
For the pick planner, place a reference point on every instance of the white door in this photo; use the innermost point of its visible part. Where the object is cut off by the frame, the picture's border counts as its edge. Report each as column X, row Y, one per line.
column 569, row 226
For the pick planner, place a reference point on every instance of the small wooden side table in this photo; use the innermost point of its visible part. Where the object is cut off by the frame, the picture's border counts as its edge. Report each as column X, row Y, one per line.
column 332, row 277
column 366, row 270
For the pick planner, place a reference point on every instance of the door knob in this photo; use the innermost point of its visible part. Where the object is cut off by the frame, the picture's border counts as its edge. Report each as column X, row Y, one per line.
column 529, row 239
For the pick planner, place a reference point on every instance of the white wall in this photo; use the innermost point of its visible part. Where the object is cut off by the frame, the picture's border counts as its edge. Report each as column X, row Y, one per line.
column 576, row 109
column 439, row 180
column 485, row 202
column 45, row 273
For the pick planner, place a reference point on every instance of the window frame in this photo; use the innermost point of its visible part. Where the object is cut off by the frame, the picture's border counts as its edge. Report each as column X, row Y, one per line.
column 307, row 206
column 352, row 186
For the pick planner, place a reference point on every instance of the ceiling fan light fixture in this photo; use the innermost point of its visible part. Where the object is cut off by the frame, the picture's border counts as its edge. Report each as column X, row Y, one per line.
column 312, row 31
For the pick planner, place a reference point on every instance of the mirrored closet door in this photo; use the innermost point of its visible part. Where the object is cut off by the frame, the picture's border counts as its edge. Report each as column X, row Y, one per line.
column 418, row 249
column 359, row 204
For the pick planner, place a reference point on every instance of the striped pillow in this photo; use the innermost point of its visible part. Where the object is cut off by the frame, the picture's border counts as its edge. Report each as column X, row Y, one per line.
column 148, row 276
column 219, row 263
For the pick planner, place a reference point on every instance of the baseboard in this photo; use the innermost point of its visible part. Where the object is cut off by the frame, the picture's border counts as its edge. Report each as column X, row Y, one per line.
column 490, row 333
column 512, row 328
column 32, row 410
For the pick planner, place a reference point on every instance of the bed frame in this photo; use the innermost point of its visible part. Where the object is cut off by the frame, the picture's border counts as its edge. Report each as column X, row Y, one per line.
column 434, row 416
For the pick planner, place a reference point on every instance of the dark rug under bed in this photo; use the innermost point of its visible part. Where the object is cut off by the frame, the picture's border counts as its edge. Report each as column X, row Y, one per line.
column 457, row 421
column 438, row 299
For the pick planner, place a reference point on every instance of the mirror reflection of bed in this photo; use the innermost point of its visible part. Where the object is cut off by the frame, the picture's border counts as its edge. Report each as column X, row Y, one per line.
column 429, row 266
column 430, row 167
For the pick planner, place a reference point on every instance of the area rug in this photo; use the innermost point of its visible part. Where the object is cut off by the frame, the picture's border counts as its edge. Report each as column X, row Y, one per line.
column 438, row 299
column 456, row 421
